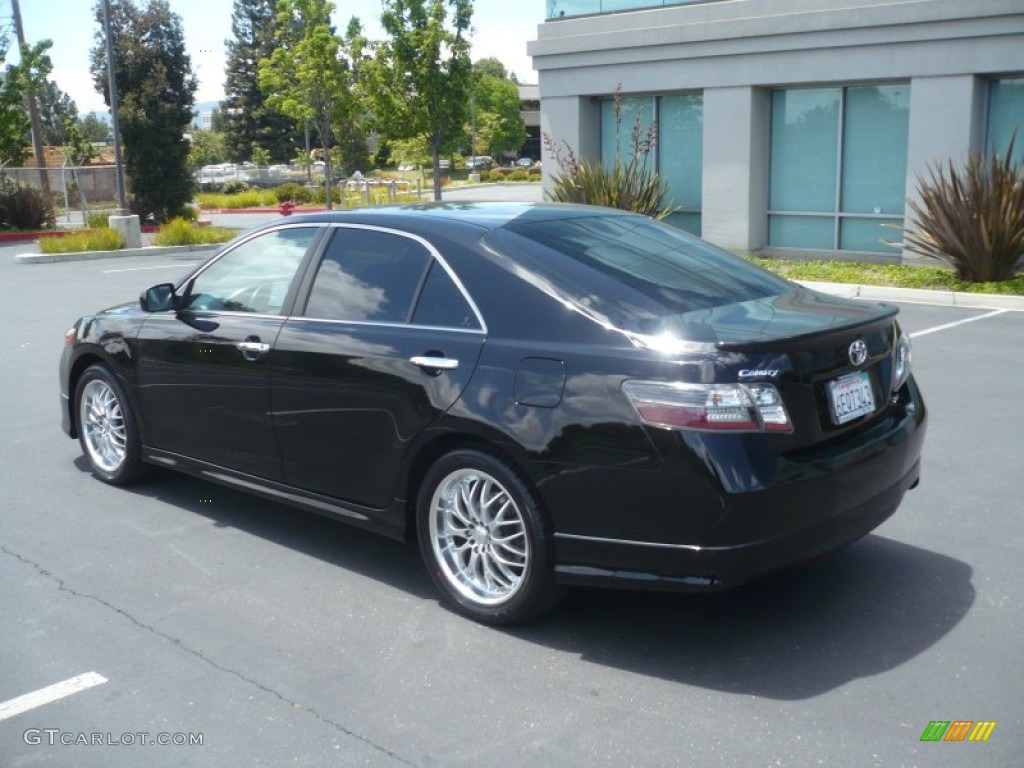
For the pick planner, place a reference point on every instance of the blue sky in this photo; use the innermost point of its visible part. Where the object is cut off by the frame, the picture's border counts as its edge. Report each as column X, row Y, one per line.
column 207, row 24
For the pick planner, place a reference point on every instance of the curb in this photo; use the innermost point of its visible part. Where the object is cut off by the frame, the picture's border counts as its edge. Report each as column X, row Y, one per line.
column 920, row 296
column 152, row 250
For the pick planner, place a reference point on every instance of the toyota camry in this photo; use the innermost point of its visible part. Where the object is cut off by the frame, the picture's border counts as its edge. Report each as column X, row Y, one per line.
column 538, row 395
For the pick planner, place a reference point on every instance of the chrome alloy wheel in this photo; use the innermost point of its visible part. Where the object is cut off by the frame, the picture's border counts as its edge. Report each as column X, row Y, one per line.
column 479, row 537
column 103, row 425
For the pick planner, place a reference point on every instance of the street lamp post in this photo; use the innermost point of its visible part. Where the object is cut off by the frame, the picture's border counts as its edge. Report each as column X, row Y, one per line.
column 122, row 220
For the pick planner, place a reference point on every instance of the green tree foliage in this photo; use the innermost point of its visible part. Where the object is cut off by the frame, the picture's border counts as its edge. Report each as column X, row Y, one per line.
column 156, row 90
column 245, row 118
column 310, row 71
column 496, row 117
column 56, row 110
column 93, row 128
column 17, row 81
column 206, row 148
column 420, row 79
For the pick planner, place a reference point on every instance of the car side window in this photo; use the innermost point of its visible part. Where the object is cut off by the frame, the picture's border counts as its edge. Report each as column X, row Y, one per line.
column 255, row 276
column 368, row 275
column 442, row 304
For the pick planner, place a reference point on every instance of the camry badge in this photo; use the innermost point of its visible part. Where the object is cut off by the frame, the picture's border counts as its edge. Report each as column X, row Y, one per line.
column 858, row 352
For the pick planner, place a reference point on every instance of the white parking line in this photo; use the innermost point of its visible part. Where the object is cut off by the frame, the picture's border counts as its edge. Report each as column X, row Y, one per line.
column 926, row 331
column 49, row 694
column 182, row 265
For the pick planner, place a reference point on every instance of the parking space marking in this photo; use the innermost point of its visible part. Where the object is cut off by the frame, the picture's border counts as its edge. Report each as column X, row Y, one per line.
column 142, row 269
column 946, row 326
column 49, row 694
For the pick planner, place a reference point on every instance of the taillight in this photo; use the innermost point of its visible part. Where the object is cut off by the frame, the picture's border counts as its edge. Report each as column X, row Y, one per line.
column 900, row 362
column 755, row 407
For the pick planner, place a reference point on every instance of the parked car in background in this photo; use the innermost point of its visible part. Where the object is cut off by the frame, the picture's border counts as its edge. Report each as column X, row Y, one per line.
column 525, row 162
column 539, row 395
column 480, row 162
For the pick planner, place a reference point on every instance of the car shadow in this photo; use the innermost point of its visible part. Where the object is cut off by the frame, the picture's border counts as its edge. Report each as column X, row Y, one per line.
column 857, row 613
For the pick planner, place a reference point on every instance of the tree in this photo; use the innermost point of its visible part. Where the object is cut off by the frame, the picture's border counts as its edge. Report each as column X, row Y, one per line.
column 206, row 148
column 498, row 123
column 420, row 79
column 156, row 88
column 309, row 74
column 17, row 81
column 56, row 109
column 245, row 118
column 93, row 128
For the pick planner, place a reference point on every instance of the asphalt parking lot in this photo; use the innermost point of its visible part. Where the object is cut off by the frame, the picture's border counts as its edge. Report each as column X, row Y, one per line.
column 278, row 638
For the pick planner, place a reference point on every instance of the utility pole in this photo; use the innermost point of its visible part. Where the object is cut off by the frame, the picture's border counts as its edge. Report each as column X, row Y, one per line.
column 33, row 111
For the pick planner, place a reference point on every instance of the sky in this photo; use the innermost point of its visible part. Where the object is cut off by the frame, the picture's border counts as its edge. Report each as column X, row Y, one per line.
column 498, row 32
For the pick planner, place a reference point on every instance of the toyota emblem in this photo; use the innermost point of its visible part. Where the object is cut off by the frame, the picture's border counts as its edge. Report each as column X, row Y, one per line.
column 858, row 352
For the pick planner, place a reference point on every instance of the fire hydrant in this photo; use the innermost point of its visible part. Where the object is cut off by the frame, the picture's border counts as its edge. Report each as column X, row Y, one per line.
column 287, row 207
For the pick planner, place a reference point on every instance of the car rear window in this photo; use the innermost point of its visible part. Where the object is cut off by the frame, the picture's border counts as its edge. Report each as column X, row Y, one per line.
column 631, row 270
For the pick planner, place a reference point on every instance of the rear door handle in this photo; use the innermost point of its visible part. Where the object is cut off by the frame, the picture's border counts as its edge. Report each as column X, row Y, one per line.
column 254, row 346
column 435, row 363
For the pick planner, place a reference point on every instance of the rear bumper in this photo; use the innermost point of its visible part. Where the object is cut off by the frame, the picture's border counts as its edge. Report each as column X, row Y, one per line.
column 827, row 502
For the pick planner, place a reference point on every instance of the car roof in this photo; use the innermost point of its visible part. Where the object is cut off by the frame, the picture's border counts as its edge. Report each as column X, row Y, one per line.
column 483, row 215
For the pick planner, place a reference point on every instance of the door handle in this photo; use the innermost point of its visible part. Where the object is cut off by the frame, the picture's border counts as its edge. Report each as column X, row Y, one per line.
column 434, row 363
column 252, row 349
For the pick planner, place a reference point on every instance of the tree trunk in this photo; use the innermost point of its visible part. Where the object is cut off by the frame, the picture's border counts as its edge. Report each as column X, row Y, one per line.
column 327, row 173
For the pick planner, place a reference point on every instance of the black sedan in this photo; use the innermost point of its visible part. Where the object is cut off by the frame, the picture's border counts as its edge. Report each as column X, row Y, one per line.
column 540, row 395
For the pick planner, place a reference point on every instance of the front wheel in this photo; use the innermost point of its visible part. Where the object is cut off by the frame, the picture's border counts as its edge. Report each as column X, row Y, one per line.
column 107, row 429
column 485, row 540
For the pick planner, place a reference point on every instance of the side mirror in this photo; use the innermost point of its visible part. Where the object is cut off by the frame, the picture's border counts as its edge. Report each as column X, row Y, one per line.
column 159, row 298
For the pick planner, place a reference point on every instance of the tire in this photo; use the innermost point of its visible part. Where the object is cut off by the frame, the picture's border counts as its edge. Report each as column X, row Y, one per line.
column 107, row 429
column 485, row 540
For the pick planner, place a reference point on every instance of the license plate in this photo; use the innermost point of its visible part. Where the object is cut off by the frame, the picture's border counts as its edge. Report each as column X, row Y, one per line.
column 850, row 396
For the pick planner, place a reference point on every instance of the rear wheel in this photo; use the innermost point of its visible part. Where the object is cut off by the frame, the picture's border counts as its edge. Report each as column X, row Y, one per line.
column 107, row 429
column 485, row 540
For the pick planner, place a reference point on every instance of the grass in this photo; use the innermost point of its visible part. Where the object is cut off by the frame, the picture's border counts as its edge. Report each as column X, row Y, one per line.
column 182, row 232
column 252, row 198
column 83, row 240
column 896, row 275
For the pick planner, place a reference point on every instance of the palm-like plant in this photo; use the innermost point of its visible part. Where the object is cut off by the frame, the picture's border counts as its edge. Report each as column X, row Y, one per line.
column 630, row 184
column 971, row 218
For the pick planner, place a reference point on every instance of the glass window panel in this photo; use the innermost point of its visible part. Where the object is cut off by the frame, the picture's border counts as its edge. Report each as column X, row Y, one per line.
column 368, row 275
column 802, row 232
column 870, row 235
column 254, row 276
column 681, row 148
column 442, row 304
column 1006, row 115
column 688, row 222
column 805, row 139
column 875, row 148
column 618, row 137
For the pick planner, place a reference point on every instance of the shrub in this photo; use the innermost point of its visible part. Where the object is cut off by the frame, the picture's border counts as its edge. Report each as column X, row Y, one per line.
column 234, row 186
column 318, row 195
column 630, row 184
column 26, row 208
column 297, row 193
column 535, row 175
column 518, row 176
column 971, row 218
column 498, row 174
column 98, row 219
column 181, row 232
column 102, row 239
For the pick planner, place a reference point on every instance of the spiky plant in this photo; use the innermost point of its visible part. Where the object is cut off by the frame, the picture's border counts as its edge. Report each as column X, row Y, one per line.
column 629, row 184
column 971, row 218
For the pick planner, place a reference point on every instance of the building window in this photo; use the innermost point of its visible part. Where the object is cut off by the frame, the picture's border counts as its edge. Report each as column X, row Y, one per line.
column 1006, row 116
column 838, row 167
column 679, row 155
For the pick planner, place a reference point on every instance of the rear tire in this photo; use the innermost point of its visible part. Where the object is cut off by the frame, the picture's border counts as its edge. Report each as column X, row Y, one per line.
column 485, row 540
column 107, row 429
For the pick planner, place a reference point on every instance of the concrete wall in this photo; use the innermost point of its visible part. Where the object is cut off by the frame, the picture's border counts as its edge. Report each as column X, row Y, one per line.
column 99, row 182
column 736, row 51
